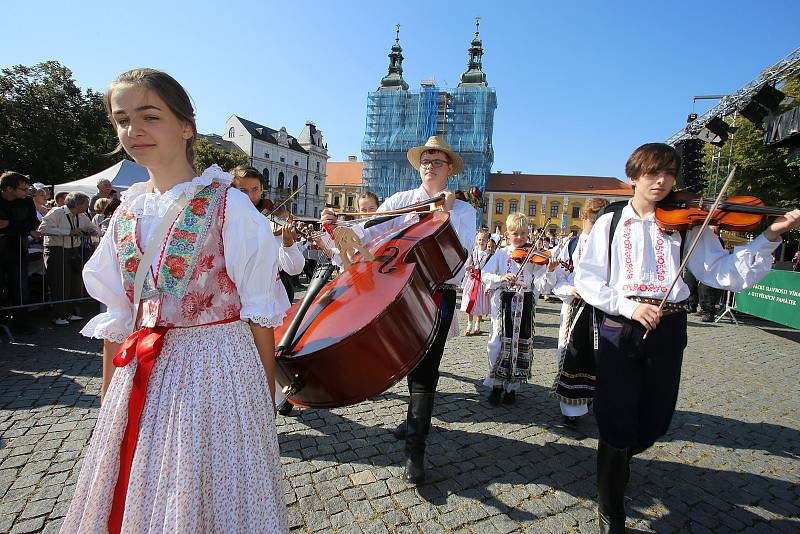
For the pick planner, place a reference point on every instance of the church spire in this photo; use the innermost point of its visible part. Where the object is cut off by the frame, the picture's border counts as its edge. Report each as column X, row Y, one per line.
column 394, row 80
column 475, row 75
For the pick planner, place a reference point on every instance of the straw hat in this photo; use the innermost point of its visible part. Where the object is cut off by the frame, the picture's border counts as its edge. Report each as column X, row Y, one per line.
column 435, row 142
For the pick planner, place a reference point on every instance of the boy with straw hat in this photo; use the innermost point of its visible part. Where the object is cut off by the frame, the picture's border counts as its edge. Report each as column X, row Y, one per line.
column 436, row 162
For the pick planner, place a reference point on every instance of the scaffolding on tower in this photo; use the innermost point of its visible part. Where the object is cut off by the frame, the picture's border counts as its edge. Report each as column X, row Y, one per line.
column 399, row 119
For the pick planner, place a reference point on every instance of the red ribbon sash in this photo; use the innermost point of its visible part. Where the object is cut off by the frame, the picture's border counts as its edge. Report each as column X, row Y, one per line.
column 144, row 345
column 475, row 275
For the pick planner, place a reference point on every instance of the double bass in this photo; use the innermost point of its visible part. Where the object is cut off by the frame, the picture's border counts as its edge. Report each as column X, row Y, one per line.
column 355, row 336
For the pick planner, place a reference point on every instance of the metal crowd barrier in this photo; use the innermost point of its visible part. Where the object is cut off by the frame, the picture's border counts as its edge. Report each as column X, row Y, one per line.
column 24, row 281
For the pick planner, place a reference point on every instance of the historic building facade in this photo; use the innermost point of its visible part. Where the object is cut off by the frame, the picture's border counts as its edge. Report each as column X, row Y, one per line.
column 288, row 163
column 546, row 199
column 344, row 184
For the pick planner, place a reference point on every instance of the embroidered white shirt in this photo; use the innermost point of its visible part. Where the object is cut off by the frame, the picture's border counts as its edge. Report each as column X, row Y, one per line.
column 645, row 260
column 565, row 279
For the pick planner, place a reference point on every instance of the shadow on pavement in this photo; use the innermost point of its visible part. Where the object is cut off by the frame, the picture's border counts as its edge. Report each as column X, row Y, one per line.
column 471, row 465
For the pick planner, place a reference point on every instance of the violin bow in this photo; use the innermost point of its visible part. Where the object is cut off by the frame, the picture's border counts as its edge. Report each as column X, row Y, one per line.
column 695, row 241
column 290, row 197
column 408, row 209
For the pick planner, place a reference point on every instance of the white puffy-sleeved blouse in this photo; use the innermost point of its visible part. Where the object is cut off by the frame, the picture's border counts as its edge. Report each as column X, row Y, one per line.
column 250, row 250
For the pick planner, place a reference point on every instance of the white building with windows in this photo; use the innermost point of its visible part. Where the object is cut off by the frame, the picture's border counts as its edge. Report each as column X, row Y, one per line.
column 287, row 162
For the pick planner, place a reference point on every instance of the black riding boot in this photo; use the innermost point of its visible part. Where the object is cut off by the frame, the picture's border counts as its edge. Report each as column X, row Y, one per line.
column 612, row 477
column 399, row 433
column 418, row 424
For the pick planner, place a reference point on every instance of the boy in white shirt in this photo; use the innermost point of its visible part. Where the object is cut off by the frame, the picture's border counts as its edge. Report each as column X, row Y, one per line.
column 625, row 271
column 513, row 304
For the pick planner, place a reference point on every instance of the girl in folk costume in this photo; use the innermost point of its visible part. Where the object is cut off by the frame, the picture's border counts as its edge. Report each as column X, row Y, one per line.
column 475, row 299
column 185, row 439
column 510, row 343
column 575, row 380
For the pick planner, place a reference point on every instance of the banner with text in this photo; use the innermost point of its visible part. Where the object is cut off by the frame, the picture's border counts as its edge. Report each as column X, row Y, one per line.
column 775, row 298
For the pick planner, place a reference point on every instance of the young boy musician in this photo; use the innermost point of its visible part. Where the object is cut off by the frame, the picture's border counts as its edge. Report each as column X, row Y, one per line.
column 625, row 271
column 436, row 162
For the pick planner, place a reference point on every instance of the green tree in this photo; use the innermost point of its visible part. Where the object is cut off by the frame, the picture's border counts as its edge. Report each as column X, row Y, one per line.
column 766, row 172
column 207, row 154
column 763, row 172
column 49, row 128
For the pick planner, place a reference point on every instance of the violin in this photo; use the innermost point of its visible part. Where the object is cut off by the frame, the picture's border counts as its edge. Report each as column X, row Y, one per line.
column 537, row 257
column 683, row 210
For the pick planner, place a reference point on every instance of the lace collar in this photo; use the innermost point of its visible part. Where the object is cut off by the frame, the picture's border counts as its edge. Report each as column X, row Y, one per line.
column 143, row 203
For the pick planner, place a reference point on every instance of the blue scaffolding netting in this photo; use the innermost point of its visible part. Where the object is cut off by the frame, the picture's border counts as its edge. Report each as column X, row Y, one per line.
column 399, row 120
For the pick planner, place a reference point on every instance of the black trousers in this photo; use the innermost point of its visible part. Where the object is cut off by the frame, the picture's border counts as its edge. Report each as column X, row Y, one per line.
column 63, row 267
column 709, row 297
column 637, row 380
column 423, row 379
column 14, row 269
column 286, row 280
column 425, row 375
column 692, row 283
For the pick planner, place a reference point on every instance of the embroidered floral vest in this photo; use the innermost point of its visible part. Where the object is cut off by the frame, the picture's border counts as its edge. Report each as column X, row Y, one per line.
column 191, row 286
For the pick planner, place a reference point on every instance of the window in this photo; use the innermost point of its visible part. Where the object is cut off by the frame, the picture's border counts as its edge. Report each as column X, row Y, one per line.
column 294, row 183
column 318, row 166
column 283, row 160
column 316, row 212
column 316, row 189
column 512, row 206
column 296, row 163
column 265, row 173
column 231, row 132
column 576, row 211
column 280, row 180
column 554, row 209
column 336, row 200
column 498, row 208
column 349, row 201
column 532, row 208
column 294, row 208
column 266, row 155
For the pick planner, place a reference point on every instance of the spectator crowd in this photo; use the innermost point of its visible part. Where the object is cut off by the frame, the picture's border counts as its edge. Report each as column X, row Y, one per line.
column 44, row 241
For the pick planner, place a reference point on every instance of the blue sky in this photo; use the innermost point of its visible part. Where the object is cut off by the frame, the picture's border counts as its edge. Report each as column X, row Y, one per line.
column 579, row 83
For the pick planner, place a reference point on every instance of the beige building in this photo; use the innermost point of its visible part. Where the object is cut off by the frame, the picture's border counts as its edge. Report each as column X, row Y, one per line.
column 546, row 199
column 343, row 184
column 286, row 162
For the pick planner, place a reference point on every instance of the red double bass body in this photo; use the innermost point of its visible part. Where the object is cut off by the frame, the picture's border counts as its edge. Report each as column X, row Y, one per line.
column 370, row 326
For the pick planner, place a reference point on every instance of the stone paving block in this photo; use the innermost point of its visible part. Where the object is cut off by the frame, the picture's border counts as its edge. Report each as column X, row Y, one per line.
column 38, row 508
column 7, row 522
column 362, row 510
column 28, row 525
column 362, row 478
column 431, row 527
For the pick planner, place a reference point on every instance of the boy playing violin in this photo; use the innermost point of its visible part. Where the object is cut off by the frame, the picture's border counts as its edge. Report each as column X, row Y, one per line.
column 513, row 305
column 625, row 271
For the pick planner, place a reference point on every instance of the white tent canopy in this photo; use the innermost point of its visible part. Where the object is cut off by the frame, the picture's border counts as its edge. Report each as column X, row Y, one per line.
column 122, row 175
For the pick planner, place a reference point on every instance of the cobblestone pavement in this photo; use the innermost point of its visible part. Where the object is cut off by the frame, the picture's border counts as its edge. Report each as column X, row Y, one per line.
column 730, row 462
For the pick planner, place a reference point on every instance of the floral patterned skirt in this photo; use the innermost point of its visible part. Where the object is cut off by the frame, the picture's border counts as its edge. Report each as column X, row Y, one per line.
column 207, row 458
